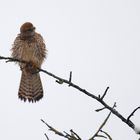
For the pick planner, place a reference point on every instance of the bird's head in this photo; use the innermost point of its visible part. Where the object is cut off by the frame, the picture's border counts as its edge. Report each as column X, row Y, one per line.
column 27, row 30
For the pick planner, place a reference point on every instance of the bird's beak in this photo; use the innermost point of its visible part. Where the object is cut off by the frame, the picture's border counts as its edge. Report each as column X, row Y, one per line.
column 33, row 28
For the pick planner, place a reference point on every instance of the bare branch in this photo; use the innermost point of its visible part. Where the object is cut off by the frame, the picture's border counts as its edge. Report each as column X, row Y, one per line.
column 72, row 136
column 10, row 59
column 75, row 136
column 102, row 125
column 61, row 80
column 115, row 112
column 53, row 129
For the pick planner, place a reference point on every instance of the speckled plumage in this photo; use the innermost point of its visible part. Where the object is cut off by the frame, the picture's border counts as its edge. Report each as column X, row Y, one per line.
column 29, row 46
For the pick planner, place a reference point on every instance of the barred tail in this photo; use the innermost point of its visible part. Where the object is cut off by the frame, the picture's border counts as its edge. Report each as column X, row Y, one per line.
column 30, row 87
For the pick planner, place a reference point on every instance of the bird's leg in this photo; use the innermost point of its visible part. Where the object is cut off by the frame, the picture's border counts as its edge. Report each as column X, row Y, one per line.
column 31, row 67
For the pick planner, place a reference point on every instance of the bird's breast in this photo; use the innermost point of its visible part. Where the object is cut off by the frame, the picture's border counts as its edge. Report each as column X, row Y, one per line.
column 29, row 51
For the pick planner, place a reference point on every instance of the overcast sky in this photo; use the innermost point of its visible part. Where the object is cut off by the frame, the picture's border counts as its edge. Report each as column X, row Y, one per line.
column 99, row 41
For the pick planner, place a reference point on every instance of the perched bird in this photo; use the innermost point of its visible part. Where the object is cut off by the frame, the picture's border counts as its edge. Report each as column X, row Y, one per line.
column 29, row 46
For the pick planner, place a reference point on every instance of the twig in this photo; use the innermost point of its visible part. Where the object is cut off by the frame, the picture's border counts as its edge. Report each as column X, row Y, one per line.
column 132, row 114
column 46, row 136
column 53, row 129
column 105, row 93
column 71, row 136
column 10, row 59
column 106, row 134
column 70, row 78
column 114, row 111
column 102, row 125
column 75, row 134
column 100, row 109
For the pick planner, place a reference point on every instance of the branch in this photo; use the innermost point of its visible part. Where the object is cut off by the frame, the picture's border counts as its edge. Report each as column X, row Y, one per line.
column 102, row 125
column 53, row 129
column 10, row 59
column 106, row 134
column 100, row 100
column 98, row 110
column 132, row 114
column 115, row 112
column 46, row 136
column 105, row 93
column 72, row 136
column 75, row 134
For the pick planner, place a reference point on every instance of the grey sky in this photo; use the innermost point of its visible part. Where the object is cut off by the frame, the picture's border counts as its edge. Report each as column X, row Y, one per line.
column 98, row 41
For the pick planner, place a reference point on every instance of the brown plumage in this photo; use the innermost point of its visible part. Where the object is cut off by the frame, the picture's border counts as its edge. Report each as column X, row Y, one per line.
column 29, row 46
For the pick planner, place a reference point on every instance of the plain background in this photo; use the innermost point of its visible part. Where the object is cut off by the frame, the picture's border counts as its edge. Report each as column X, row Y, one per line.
column 99, row 41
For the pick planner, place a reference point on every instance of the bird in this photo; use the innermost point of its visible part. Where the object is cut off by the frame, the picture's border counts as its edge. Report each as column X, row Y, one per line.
column 29, row 46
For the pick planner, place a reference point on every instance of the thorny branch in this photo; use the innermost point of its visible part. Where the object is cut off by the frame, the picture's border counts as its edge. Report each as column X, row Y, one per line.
column 70, row 83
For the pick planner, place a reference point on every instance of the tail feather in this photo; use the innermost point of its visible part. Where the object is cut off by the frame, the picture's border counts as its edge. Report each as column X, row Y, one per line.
column 30, row 87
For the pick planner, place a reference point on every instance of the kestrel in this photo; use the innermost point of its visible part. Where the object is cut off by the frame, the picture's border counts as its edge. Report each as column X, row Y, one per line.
column 30, row 47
